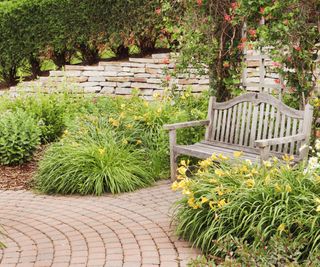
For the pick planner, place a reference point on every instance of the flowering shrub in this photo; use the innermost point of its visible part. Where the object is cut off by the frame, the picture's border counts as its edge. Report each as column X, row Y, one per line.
column 271, row 212
column 314, row 160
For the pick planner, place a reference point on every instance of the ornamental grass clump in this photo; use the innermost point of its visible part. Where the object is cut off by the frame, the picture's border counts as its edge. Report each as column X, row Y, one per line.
column 230, row 208
column 92, row 160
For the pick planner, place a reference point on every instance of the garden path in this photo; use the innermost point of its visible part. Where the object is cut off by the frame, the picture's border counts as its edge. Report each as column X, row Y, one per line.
column 131, row 229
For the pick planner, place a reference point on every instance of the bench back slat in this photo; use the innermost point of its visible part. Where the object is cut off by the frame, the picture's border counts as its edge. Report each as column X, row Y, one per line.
column 251, row 117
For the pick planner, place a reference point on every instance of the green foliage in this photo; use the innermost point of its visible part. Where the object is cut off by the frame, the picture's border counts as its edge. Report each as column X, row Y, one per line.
column 19, row 137
column 254, row 215
column 60, row 30
column 51, row 111
column 291, row 33
column 92, row 161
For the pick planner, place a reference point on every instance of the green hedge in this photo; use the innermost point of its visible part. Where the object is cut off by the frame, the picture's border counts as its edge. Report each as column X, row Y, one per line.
column 60, row 29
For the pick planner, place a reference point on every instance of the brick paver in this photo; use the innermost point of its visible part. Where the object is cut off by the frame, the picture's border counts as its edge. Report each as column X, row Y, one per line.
column 131, row 229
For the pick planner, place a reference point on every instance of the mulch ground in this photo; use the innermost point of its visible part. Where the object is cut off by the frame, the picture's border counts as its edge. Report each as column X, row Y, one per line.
column 19, row 177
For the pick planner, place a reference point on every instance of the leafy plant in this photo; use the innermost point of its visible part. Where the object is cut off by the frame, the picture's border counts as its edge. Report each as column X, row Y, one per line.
column 19, row 137
column 229, row 210
column 93, row 161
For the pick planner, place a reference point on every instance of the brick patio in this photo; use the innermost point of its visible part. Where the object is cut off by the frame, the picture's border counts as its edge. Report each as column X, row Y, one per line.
column 131, row 229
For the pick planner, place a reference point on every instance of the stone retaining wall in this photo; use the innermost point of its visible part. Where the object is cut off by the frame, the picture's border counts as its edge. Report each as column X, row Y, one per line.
column 149, row 75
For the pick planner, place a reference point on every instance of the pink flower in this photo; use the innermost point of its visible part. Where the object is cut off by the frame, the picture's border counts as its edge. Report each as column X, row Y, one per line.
column 297, row 48
column 276, row 64
column 234, row 5
column 199, row 2
column 226, row 64
column 168, row 78
column 158, row 11
column 166, row 61
column 277, row 81
column 241, row 46
column 252, row 32
column 227, row 17
column 261, row 10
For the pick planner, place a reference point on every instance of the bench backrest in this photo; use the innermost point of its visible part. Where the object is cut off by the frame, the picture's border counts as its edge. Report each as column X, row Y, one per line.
column 254, row 116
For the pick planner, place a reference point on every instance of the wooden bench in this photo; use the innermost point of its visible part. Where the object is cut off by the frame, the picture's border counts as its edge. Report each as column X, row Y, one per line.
column 256, row 123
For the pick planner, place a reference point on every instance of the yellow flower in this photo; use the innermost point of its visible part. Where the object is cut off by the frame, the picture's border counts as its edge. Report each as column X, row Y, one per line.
column 66, row 132
column 248, row 161
column 237, row 154
column 244, row 168
column 204, row 200
column 288, row 188
column 220, row 192
column 102, row 151
column 180, row 177
column 186, row 192
column 204, row 164
column 182, row 170
column 159, row 110
column 156, row 95
column 317, row 200
column 267, row 179
column 278, row 187
column 191, row 201
column 139, row 142
column 213, row 181
column 124, row 141
column 267, row 163
column 123, row 106
column 318, row 208
column 281, row 227
column 129, row 126
column 254, row 172
column 146, row 104
column 250, row 183
column 184, row 163
column 214, row 157
column 211, row 204
column 288, row 158
column 222, row 157
column 175, row 186
column 219, row 172
column 122, row 115
column 221, row 203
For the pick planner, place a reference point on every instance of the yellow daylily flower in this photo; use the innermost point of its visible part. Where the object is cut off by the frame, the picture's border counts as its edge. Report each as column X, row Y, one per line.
column 123, row 106
column 204, row 200
column 244, row 168
column 237, row 154
column 288, row 158
column 317, row 200
column 250, row 183
column 288, row 188
column 281, row 227
column 129, row 126
column 213, row 181
column 222, row 157
column 204, row 164
column 182, row 170
column 267, row 163
column 221, row 203
column 125, row 141
column 186, row 192
column 267, row 179
column 248, row 161
column 214, row 157
column 175, row 186
column 211, row 204
column 278, row 187
column 219, row 172
column 318, row 208
column 102, row 151
column 139, row 142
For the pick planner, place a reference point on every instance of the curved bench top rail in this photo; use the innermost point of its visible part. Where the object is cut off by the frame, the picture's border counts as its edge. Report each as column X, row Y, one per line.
column 257, row 98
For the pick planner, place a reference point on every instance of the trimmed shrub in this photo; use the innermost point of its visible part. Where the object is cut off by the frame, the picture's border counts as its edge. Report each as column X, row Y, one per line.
column 93, row 161
column 265, row 215
column 19, row 137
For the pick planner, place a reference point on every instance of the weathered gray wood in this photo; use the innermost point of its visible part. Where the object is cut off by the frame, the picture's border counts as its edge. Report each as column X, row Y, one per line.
column 219, row 124
column 256, row 123
column 294, row 132
column 233, row 124
column 173, row 154
column 307, row 127
column 248, row 125
column 223, row 125
column 243, row 121
column 208, row 135
column 186, row 124
column 236, row 138
column 280, row 140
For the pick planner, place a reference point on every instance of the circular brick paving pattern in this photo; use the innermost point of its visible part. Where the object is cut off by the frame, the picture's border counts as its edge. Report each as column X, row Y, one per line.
column 131, row 229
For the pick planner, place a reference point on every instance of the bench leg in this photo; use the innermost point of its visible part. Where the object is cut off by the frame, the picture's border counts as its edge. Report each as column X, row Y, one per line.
column 173, row 165
column 173, row 155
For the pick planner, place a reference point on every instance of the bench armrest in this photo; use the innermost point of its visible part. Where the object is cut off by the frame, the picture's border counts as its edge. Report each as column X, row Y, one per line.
column 281, row 140
column 185, row 124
